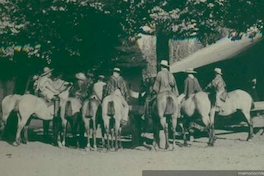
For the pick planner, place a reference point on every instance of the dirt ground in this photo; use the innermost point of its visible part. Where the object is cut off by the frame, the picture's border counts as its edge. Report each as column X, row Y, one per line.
column 231, row 152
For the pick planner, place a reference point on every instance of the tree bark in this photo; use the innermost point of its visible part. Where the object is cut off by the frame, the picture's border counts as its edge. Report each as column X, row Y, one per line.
column 162, row 47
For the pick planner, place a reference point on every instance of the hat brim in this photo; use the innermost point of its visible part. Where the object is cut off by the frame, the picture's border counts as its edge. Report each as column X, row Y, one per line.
column 219, row 73
column 165, row 65
column 190, row 72
column 43, row 74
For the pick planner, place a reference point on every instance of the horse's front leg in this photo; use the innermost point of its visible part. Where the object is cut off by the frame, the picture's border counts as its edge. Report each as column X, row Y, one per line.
column 46, row 129
column 64, row 129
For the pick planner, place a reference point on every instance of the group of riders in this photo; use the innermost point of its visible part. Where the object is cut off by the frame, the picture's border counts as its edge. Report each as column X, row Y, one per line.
column 45, row 87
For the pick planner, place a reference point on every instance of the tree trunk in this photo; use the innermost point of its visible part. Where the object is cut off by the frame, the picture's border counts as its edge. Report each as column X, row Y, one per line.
column 162, row 47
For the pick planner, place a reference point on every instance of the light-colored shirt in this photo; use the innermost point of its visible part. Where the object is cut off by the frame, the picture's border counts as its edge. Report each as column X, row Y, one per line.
column 165, row 81
column 98, row 89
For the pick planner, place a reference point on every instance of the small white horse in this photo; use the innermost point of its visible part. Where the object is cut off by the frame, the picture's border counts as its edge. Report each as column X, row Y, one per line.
column 28, row 105
column 112, row 111
column 70, row 112
column 91, row 114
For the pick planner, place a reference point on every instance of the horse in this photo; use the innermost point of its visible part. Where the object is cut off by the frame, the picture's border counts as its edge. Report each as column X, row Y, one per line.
column 164, row 107
column 70, row 112
column 237, row 100
column 28, row 105
column 91, row 113
column 197, row 105
column 112, row 112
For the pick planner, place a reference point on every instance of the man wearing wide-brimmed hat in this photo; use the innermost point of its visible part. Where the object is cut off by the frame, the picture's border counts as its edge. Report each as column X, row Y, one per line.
column 98, row 88
column 219, row 86
column 80, row 88
column 45, row 85
column 191, row 83
column 165, row 81
column 116, row 84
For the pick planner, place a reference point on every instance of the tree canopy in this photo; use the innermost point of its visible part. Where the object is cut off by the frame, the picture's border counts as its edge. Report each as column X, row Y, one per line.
column 83, row 34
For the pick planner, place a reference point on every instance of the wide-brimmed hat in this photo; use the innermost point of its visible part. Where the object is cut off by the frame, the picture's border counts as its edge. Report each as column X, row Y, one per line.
column 164, row 63
column 46, row 71
column 218, row 71
column 116, row 70
column 80, row 76
column 190, row 70
column 101, row 77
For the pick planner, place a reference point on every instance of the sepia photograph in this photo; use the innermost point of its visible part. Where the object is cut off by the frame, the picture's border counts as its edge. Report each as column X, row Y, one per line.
column 131, row 87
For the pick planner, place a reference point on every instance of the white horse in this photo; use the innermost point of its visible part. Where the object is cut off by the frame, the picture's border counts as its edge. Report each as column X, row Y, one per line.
column 28, row 105
column 112, row 110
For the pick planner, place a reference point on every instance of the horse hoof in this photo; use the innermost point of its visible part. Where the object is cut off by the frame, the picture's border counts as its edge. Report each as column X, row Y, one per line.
column 15, row 144
column 191, row 138
column 60, row 145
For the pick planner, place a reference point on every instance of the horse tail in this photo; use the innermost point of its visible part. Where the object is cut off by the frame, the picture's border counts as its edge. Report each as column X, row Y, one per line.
column 169, row 105
column 68, row 109
column 252, row 103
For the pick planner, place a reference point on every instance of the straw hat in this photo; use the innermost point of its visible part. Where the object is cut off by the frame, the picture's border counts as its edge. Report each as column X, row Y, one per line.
column 190, row 70
column 101, row 77
column 116, row 69
column 218, row 71
column 80, row 76
column 46, row 71
column 164, row 63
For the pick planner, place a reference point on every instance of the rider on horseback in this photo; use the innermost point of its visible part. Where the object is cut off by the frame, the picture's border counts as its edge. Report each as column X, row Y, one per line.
column 98, row 88
column 165, row 81
column 219, row 86
column 45, row 86
column 191, row 85
column 46, row 89
column 80, row 87
column 116, row 85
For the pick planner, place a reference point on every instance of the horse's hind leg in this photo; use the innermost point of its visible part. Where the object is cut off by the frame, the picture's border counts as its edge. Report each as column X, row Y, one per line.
column 46, row 124
column 165, row 128
column 26, row 131
column 209, row 123
column 174, row 125
column 74, row 126
column 21, row 124
column 94, row 134
column 250, row 125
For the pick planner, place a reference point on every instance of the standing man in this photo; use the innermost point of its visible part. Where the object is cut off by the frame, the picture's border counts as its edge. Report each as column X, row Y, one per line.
column 117, row 85
column 219, row 86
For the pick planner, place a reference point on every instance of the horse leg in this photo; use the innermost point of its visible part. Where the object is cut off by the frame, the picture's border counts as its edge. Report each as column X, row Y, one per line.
column 112, row 137
column 46, row 124
column 156, row 136
column 64, row 129
column 107, row 131
column 174, row 125
column 87, row 128
column 74, row 126
column 209, row 123
column 21, row 124
column 94, row 134
column 117, row 127
column 165, row 128
column 26, row 131
column 250, row 125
